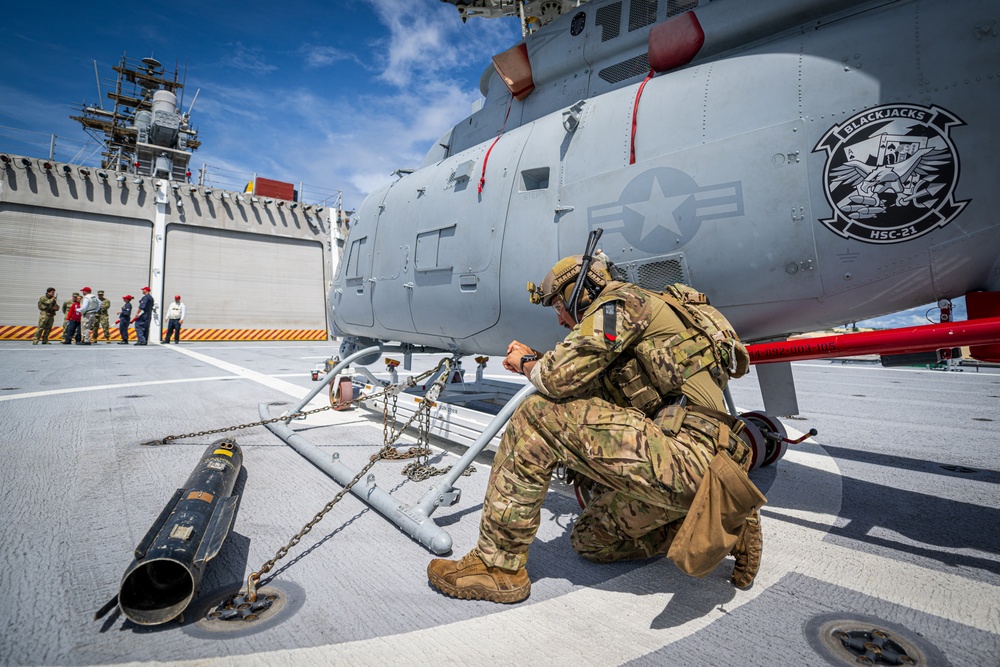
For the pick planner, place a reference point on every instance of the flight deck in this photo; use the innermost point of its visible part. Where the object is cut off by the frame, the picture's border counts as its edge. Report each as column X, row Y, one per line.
column 884, row 521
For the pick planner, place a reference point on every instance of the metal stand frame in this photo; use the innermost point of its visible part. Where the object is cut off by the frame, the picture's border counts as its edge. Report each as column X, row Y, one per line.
column 414, row 520
column 461, row 412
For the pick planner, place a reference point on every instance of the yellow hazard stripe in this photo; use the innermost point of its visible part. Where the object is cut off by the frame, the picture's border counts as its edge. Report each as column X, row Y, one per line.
column 252, row 334
column 224, row 452
column 18, row 332
column 27, row 332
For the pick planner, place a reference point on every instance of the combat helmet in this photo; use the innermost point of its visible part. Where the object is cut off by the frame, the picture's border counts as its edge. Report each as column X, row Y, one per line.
column 561, row 280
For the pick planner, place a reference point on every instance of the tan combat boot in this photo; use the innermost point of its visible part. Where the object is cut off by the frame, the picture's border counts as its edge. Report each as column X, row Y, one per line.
column 747, row 552
column 472, row 579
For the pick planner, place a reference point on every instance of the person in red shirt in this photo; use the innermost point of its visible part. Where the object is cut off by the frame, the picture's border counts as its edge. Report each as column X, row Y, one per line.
column 73, row 321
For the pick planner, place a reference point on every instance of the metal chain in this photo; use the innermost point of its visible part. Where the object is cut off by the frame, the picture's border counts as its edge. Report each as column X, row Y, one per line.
column 385, row 417
column 389, row 433
column 425, row 406
column 411, row 453
column 420, row 470
column 393, row 390
column 254, row 577
column 263, row 422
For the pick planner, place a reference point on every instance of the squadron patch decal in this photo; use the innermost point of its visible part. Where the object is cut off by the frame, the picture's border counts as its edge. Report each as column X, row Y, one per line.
column 891, row 173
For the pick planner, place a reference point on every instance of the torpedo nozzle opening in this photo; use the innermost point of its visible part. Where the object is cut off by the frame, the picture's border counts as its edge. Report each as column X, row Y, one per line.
column 156, row 591
column 170, row 560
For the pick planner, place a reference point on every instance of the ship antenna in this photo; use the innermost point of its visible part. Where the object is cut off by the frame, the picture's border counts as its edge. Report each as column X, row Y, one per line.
column 97, row 77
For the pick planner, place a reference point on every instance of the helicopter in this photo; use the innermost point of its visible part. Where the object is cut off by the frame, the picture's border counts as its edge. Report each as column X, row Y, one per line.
column 804, row 163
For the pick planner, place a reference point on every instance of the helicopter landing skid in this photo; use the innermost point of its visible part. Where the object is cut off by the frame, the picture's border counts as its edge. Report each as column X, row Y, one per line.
column 414, row 520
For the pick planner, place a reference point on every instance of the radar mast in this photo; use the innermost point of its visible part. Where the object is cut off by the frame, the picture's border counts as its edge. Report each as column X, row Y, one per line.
column 145, row 133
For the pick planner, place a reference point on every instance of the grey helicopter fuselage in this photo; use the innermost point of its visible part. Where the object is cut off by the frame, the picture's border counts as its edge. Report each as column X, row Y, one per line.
column 816, row 162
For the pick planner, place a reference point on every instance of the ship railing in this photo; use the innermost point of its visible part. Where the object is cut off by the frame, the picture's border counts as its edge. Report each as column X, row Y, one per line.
column 56, row 148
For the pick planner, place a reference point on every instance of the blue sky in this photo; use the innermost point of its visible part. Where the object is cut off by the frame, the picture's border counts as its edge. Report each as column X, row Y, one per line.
column 332, row 95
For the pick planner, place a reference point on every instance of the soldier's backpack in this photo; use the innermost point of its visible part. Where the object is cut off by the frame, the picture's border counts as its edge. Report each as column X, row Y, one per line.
column 695, row 311
column 658, row 367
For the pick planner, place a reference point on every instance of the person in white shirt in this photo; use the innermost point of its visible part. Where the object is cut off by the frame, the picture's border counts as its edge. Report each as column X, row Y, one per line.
column 90, row 305
column 175, row 318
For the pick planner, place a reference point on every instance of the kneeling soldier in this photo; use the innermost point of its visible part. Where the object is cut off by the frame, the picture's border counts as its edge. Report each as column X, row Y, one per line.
column 631, row 402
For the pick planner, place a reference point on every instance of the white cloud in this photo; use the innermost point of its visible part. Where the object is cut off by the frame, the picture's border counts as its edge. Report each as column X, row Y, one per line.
column 22, row 109
column 370, row 182
column 247, row 59
column 329, row 141
column 426, row 57
column 227, row 103
column 321, row 56
column 405, row 90
column 444, row 106
column 415, row 43
column 25, row 109
column 427, row 42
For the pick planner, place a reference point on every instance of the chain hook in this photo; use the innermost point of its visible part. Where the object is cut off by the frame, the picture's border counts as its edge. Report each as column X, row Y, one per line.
column 252, row 582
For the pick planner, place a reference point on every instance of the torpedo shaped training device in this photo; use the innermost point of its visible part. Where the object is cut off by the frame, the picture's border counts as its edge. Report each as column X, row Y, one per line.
column 170, row 560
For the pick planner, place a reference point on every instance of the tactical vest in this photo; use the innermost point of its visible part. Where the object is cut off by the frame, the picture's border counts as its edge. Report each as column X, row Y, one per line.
column 658, row 366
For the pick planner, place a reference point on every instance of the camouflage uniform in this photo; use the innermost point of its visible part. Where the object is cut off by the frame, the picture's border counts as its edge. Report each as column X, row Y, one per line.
column 47, row 309
column 101, row 320
column 649, row 477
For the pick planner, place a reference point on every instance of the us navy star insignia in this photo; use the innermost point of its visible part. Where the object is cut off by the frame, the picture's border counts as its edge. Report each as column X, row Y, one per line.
column 663, row 208
column 656, row 212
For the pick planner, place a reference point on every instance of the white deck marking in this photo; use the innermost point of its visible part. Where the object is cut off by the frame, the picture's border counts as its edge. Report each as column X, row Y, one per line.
column 124, row 385
column 99, row 387
column 268, row 381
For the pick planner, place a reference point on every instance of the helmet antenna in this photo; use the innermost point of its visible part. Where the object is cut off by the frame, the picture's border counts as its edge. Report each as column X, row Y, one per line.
column 588, row 257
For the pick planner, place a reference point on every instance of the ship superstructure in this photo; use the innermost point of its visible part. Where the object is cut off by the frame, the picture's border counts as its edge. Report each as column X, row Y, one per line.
column 145, row 132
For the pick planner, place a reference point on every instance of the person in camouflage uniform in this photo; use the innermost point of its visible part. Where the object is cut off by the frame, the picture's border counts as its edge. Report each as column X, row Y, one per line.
column 101, row 319
column 643, row 471
column 48, row 306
